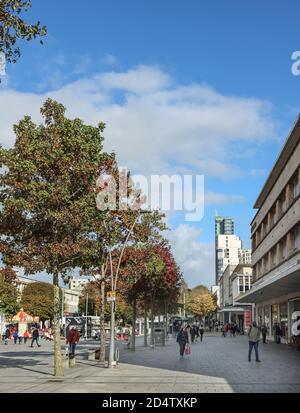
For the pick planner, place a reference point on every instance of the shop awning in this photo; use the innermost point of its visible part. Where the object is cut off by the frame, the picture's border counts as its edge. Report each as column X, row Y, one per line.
column 232, row 310
column 278, row 283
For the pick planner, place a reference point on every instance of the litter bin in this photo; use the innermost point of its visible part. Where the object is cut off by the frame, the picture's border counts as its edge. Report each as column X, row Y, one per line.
column 159, row 336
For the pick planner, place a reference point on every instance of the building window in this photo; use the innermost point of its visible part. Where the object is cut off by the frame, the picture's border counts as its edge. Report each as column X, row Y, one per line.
column 274, row 314
column 273, row 258
column 283, row 205
column 297, row 239
column 295, row 187
column 241, row 284
column 267, row 317
column 283, row 318
column 284, row 250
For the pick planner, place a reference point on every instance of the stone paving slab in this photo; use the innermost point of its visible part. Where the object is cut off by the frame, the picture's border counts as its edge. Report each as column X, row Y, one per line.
column 216, row 365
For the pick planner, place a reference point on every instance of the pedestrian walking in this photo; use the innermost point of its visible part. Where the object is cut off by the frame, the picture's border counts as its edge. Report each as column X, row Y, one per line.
column 201, row 331
column 264, row 331
column 7, row 336
column 254, row 335
column 182, row 339
column 35, row 337
column 15, row 336
column 224, row 330
column 4, row 334
column 217, row 326
column 193, row 334
column 72, row 340
column 26, row 336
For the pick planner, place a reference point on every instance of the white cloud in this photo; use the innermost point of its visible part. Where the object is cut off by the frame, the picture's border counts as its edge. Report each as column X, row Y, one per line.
column 109, row 60
column 159, row 127
column 143, row 79
column 154, row 125
column 196, row 258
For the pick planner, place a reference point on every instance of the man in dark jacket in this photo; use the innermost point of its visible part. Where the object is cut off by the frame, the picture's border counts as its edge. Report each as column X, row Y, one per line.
column 278, row 333
column 35, row 337
column 264, row 331
column 72, row 339
column 182, row 340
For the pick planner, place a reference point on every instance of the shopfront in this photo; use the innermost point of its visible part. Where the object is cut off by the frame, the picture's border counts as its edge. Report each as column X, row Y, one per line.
column 283, row 320
column 294, row 317
column 267, row 319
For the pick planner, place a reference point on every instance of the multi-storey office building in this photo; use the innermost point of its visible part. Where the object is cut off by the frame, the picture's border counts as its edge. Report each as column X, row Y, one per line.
column 223, row 226
column 228, row 249
column 275, row 233
column 235, row 280
column 245, row 256
column 78, row 284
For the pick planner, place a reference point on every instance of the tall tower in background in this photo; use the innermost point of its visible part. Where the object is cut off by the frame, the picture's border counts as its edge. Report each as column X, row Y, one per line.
column 223, row 226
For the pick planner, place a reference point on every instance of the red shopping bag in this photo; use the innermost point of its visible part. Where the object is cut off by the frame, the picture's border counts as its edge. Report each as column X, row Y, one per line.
column 187, row 349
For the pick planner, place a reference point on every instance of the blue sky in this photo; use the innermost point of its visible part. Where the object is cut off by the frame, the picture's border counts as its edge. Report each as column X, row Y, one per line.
column 184, row 86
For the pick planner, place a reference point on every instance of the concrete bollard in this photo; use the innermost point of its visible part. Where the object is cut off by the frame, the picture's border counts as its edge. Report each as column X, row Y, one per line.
column 66, row 363
column 91, row 355
column 72, row 362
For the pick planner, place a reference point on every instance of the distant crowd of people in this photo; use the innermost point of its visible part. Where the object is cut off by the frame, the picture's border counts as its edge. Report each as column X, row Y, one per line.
column 186, row 334
column 232, row 328
column 33, row 333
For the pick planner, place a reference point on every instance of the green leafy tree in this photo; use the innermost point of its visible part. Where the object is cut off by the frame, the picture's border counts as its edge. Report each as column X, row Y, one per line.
column 123, row 310
column 9, row 296
column 46, row 189
column 38, row 300
column 201, row 305
column 13, row 28
column 198, row 290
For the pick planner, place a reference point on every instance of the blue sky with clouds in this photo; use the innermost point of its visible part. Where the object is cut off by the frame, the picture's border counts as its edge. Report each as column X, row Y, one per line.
column 184, row 87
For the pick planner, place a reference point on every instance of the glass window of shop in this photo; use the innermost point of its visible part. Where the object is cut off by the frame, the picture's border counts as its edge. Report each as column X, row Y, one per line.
column 283, row 312
column 294, row 306
column 260, row 316
column 274, row 315
column 267, row 317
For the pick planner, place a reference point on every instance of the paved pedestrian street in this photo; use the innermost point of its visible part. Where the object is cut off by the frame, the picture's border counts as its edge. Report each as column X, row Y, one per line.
column 216, row 365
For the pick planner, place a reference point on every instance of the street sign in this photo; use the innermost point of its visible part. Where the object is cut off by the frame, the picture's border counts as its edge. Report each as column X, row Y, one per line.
column 111, row 296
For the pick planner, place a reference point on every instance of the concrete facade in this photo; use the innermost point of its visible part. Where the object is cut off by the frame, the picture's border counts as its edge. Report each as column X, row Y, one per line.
column 228, row 249
column 236, row 279
column 223, row 226
column 78, row 284
column 245, row 256
column 275, row 233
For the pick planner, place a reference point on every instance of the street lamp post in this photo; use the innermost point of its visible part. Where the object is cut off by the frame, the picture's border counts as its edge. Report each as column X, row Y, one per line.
column 114, row 279
column 101, row 277
column 86, row 315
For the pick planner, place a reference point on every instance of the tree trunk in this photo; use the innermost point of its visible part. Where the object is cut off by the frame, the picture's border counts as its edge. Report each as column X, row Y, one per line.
column 152, row 321
column 145, row 323
column 102, row 321
column 58, row 365
column 132, row 344
column 166, row 319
